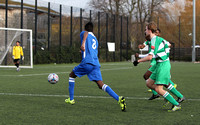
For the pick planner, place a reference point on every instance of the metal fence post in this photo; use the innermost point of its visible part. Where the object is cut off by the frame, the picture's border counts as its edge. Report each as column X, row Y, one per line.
column 60, row 24
column 81, row 23
column 60, row 34
column 81, row 20
column 6, row 26
column 179, row 44
column 127, row 44
column 22, row 22
column 106, row 37
column 99, row 33
column 194, row 32
column 121, row 41
column 49, row 25
column 71, row 26
column 90, row 15
column 114, row 35
column 35, row 29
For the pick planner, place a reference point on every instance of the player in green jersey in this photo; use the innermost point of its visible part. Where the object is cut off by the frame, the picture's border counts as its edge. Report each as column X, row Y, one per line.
column 152, row 66
column 161, row 75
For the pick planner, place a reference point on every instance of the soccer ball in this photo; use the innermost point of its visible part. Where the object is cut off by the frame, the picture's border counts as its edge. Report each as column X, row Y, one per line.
column 53, row 78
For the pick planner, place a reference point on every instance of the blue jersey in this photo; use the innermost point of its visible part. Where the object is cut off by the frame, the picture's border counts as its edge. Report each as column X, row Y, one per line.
column 90, row 55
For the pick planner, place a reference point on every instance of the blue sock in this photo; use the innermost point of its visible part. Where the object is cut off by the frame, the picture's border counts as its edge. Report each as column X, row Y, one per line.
column 107, row 89
column 71, row 88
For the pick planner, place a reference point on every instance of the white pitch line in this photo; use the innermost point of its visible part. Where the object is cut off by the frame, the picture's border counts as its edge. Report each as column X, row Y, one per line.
column 121, row 68
column 98, row 97
column 67, row 66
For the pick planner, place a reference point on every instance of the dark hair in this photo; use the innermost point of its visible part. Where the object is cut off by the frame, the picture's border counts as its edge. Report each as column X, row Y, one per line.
column 159, row 30
column 152, row 26
column 89, row 27
column 17, row 41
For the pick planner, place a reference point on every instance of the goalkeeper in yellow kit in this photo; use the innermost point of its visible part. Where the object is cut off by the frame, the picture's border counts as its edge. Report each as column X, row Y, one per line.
column 17, row 54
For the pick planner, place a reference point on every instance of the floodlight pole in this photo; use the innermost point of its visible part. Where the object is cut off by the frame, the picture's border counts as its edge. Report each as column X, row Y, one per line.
column 194, row 31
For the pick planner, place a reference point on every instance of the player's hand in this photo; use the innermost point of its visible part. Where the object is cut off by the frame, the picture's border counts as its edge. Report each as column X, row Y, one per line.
column 141, row 46
column 82, row 48
column 13, row 57
column 135, row 63
column 136, row 55
column 22, row 57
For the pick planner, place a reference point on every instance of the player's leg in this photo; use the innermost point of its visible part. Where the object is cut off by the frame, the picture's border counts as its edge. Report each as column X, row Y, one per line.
column 167, row 96
column 146, row 76
column 107, row 89
column 166, row 86
column 72, row 77
column 79, row 71
column 174, row 91
column 17, row 64
column 162, row 78
column 170, row 82
column 155, row 94
column 95, row 75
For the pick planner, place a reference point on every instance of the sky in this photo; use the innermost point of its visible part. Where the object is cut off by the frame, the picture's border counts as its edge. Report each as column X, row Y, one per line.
column 74, row 3
column 174, row 7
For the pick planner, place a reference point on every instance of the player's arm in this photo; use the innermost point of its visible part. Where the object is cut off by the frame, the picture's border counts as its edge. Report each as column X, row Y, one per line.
column 142, row 55
column 13, row 53
column 21, row 52
column 84, row 40
column 147, row 58
column 141, row 46
column 169, row 45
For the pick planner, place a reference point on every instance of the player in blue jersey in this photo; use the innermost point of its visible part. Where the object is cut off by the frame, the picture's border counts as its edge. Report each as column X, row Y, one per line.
column 90, row 66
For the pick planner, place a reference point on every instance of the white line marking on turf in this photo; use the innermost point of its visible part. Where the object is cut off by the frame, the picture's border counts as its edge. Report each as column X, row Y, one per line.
column 67, row 66
column 121, row 68
column 99, row 97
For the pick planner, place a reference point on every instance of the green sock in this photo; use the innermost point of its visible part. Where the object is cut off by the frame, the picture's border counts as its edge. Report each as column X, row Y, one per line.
column 168, row 97
column 170, row 81
column 174, row 91
column 154, row 92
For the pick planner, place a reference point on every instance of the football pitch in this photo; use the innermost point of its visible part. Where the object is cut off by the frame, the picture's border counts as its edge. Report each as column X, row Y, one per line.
column 26, row 97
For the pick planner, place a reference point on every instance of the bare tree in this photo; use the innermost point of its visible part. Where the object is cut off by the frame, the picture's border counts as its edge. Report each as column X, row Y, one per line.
column 139, row 11
column 146, row 11
column 117, row 7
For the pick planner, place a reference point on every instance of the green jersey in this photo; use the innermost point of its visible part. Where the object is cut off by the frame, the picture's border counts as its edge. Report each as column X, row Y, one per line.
column 148, row 43
column 159, row 49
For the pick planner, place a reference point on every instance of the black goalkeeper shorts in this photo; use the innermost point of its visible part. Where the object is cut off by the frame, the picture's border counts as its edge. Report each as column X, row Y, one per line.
column 16, row 60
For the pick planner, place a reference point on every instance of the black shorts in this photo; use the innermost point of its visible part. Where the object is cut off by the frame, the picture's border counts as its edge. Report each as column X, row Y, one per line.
column 16, row 60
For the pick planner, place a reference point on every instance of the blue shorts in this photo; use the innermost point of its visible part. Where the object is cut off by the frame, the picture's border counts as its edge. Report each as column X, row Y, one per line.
column 93, row 72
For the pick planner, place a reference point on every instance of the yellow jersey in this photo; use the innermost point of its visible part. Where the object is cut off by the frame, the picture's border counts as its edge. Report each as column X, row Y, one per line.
column 17, row 52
